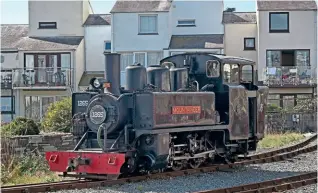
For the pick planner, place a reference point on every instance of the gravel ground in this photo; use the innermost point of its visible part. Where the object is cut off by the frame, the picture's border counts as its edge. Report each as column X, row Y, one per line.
column 207, row 181
column 304, row 189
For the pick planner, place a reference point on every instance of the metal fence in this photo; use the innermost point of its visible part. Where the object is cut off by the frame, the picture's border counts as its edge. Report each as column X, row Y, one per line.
column 300, row 122
column 291, row 113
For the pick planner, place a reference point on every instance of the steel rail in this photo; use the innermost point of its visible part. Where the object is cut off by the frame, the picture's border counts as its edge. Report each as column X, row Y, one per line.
column 275, row 185
column 282, row 150
column 266, row 157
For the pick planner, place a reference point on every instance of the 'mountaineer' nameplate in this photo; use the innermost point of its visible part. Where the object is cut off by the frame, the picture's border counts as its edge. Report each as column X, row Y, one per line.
column 177, row 110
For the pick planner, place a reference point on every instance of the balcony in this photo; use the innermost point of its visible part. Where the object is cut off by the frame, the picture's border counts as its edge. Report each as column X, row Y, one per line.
column 290, row 76
column 6, row 79
column 42, row 78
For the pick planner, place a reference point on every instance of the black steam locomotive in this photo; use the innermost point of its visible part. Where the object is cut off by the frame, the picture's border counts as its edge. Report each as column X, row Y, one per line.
column 191, row 109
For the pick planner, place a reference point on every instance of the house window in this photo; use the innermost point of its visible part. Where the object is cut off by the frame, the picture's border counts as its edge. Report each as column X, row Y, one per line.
column 107, row 45
column 186, row 22
column 277, row 58
column 47, row 25
column 148, row 24
column 2, row 59
column 279, row 22
column 154, row 58
column 249, row 43
column 140, row 57
column 7, row 105
column 36, row 107
column 47, row 69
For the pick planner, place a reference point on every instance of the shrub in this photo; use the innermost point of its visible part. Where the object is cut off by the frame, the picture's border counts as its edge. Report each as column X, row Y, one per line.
column 58, row 117
column 273, row 108
column 21, row 126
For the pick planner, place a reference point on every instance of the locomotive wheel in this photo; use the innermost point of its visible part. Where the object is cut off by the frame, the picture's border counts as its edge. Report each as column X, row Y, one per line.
column 195, row 163
column 177, row 165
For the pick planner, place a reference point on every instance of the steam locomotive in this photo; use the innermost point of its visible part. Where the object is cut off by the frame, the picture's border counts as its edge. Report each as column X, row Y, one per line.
column 189, row 110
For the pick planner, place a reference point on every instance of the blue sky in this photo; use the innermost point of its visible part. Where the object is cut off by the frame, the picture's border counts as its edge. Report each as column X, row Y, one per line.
column 16, row 11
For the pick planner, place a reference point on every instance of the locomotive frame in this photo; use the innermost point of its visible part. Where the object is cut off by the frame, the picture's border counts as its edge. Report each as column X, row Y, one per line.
column 181, row 113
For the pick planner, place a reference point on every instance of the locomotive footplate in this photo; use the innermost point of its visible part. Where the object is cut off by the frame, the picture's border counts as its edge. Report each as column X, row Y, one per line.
column 85, row 162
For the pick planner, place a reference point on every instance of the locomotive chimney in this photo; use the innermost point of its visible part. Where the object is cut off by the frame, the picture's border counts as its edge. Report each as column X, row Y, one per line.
column 112, row 72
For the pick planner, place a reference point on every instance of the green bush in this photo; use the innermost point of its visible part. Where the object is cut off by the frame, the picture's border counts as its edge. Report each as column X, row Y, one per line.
column 273, row 108
column 58, row 117
column 21, row 126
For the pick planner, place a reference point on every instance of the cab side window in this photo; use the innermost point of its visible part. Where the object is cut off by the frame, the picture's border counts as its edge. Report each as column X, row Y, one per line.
column 231, row 73
column 212, row 68
column 247, row 73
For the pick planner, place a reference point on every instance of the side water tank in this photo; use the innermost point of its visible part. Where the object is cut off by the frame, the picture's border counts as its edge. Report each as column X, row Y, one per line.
column 159, row 77
column 136, row 77
column 178, row 78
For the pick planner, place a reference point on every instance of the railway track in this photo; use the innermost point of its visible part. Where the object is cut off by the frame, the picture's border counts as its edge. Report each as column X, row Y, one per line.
column 266, row 157
column 275, row 185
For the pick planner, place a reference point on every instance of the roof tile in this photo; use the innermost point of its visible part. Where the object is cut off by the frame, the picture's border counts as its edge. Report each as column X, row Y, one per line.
column 133, row 6
column 98, row 19
column 281, row 5
column 16, row 37
column 239, row 17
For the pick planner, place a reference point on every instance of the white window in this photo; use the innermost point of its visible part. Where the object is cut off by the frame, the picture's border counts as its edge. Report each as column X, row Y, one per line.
column 140, row 57
column 148, row 24
column 154, row 58
column 125, row 60
column 186, row 22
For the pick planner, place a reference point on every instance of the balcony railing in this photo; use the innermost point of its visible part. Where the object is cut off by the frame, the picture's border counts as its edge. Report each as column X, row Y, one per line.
column 290, row 75
column 6, row 79
column 42, row 77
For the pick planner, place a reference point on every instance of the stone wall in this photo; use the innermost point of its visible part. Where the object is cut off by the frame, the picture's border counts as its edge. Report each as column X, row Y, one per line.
column 37, row 143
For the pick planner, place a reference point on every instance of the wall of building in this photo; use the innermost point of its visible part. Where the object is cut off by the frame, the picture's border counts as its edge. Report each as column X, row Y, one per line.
column 302, row 35
column 234, row 40
column 94, row 46
column 79, row 63
column 67, row 14
column 125, row 33
column 37, row 143
column 207, row 14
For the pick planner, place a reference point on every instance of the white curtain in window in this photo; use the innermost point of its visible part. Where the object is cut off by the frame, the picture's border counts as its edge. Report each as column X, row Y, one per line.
column 125, row 60
column 154, row 58
column 140, row 58
column 148, row 24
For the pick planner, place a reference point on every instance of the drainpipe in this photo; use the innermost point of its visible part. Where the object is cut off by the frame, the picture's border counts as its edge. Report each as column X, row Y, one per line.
column 112, row 33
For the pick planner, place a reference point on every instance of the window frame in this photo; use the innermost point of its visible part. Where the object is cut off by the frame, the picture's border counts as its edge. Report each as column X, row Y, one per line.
column 186, row 25
column 280, row 53
column 105, row 43
column 249, row 48
column 218, row 68
column 139, row 24
column 47, row 27
column 12, row 105
column 278, row 30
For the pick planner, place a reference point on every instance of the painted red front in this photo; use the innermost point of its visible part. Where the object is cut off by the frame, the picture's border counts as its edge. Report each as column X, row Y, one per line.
column 100, row 163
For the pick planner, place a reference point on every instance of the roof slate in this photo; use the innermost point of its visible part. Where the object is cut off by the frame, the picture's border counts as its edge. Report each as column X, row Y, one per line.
column 16, row 37
column 98, row 19
column 239, row 17
column 281, row 5
column 133, row 6
column 204, row 41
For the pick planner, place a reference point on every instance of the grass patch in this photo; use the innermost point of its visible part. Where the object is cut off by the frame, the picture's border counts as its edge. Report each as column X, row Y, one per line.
column 278, row 140
column 26, row 168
